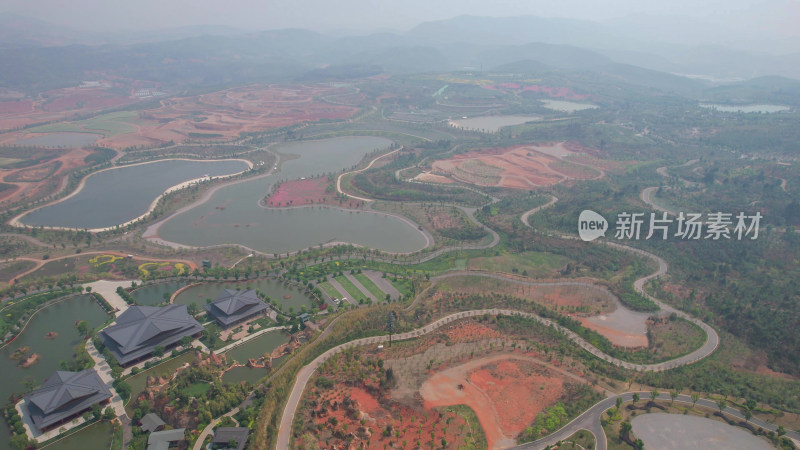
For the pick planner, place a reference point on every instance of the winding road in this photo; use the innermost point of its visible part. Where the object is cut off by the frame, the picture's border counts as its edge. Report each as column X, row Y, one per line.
column 589, row 419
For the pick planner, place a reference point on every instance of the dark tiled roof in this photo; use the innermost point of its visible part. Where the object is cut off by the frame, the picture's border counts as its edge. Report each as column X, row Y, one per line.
column 161, row 439
column 232, row 306
column 151, row 422
column 224, row 434
column 140, row 329
column 64, row 395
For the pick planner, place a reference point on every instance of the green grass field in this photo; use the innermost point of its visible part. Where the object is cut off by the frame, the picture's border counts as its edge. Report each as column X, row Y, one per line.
column 6, row 161
column 328, row 289
column 196, row 389
column 371, row 287
column 352, row 291
column 535, row 264
column 110, row 124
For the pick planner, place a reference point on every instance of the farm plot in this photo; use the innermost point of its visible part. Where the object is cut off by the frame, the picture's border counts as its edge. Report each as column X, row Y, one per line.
column 522, row 167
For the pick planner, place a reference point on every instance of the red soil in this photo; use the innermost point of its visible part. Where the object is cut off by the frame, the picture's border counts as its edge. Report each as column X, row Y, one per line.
column 231, row 112
column 522, row 167
column 307, row 192
column 470, row 332
column 407, row 424
column 505, row 391
column 515, row 390
column 16, row 107
column 617, row 337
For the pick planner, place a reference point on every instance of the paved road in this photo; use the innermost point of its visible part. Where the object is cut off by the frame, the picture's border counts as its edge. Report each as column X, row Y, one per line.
column 108, row 290
column 345, row 295
column 590, row 420
column 303, row 376
column 360, row 287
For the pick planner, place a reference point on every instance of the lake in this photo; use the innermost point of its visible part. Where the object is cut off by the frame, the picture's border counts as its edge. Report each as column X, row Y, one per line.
column 257, row 347
column 565, row 106
column 59, row 318
column 492, row 124
column 233, row 215
column 153, row 294
column 759, row 108
column 60, row 139
column 271, row 288
column 118, row 195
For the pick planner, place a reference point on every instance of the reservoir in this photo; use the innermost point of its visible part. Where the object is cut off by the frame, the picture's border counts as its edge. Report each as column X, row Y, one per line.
column 232, row 215
column 118, row 195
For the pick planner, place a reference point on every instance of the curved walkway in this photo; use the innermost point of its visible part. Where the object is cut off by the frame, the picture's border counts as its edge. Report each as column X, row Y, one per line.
column 305, row 373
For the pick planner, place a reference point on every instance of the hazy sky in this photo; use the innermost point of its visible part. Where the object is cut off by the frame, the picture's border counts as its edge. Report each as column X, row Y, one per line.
column 369, row 15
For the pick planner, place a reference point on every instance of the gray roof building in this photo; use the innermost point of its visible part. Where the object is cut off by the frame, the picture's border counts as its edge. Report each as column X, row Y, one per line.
column 140, row 329
column 160, row 440
column 232, row 307
column 151, row 422
column 223, row 435
column 65, row 395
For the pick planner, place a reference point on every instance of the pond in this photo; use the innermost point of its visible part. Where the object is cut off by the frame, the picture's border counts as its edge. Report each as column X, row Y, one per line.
column 60, row 139
column 674, row 431
column 59, row 318
column 95, row 436
column 491, row 124
column 115, row 196
column 759, row 108
column 232, row 214
column 273, row 289
column 565, row 106
column 258, row 347
column 249, row 374
column 153, row 294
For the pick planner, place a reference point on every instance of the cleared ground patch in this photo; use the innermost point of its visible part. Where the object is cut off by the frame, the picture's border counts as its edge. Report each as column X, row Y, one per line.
column 312, row 191
column 522, row 167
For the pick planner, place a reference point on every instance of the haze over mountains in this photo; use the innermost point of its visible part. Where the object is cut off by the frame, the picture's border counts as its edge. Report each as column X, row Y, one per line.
column 37, row 54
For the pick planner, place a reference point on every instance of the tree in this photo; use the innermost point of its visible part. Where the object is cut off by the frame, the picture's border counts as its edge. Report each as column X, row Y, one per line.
column 109, row 414
column 390, row 320
column 653, row 395
column 193, row 309
column 158, row 351
column 721, row 404
column 781, row 430
column 748, row 415
column 83, row 328
column 186, row 341
column 695, row 398
column 673, row 395
column 635, row 397
column 638, row 444
column 619, row 402
column 624, row 429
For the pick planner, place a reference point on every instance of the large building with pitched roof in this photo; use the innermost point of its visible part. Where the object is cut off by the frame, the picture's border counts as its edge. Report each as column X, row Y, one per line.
column 232, row 307
column 140, row 329
column 65, row 395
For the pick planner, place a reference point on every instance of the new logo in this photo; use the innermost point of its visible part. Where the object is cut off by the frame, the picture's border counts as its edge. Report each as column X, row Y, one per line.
column 591, row 225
